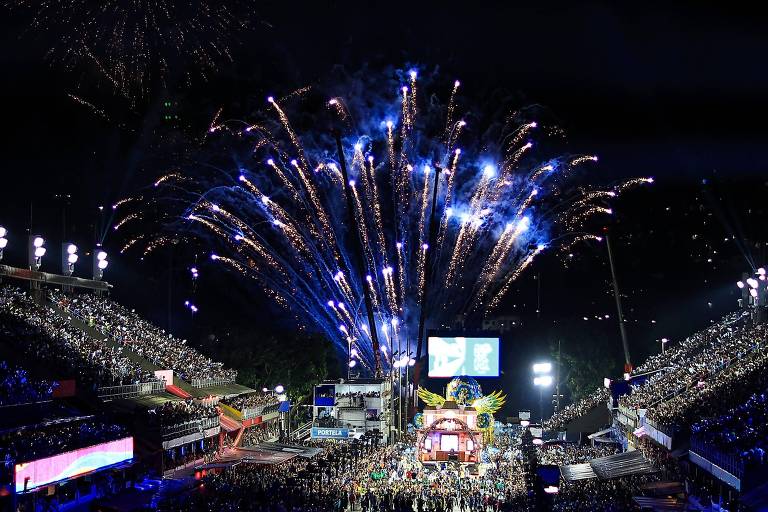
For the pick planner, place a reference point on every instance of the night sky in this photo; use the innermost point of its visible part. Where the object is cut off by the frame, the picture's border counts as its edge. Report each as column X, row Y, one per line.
column 676, row 94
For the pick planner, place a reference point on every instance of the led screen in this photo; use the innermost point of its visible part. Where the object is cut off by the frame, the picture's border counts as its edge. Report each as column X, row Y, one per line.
column 452, row 356
column 71, row 464
column 449, row 442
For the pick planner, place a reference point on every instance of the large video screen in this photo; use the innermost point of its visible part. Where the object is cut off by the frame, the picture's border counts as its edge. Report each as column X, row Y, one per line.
column 452, row 356
column 71, row 464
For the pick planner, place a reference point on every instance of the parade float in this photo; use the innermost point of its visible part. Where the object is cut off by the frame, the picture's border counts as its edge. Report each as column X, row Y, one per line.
column 456, row 427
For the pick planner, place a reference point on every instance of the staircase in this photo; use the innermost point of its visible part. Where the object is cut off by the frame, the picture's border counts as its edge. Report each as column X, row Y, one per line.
column 177, row 391
column 231, row 426
column 302, row 432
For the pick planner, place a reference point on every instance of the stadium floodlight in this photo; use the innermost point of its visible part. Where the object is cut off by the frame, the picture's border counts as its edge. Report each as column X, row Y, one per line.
column 279, row 389
column 36, row 251
column 100, row 263
column 543, row 380
column 542, row 367
column 3, row 241
column 69, row 257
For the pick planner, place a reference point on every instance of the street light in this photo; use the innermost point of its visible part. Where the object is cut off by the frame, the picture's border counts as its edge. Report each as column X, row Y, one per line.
column 279, row 389
column 68, row 258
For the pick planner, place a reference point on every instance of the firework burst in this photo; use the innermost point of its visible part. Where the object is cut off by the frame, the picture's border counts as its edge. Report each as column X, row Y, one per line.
column 375, row 214
column 134, row 43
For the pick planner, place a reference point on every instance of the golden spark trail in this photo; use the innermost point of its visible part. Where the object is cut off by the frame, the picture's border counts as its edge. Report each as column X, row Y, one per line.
column 289, row 129
column 582, row 159
column 451, row 107
column 377, row 212
column 494, row 303
column 127, row 218
column 284, row 179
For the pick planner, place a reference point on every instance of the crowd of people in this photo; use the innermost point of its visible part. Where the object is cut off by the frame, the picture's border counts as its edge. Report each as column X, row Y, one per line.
column 571, row 453
column 371, row 479
column 45, row 335
column 32, row 443
column 261, row 433
column 743, row 430
column 724, row 379
column 379, row 479
column 710, row 363
column 182, row 411
column 241, row 402
column 17, row 387
column 579, row 408
column 150, row 342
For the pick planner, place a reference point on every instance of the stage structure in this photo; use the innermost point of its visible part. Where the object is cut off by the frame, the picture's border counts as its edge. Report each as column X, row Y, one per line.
column 455, row 427
column 347, row 409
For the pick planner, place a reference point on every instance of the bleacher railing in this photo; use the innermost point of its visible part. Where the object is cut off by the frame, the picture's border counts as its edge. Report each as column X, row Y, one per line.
column 258, row 410
column 729, row 461
column 189, row 427
column 208, row 383
column 130, row 390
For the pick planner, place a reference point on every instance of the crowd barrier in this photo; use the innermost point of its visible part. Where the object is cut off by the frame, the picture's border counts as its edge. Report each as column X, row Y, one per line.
column 208, row 383
column 130, row 390
column 189, row 427
column 729, row 461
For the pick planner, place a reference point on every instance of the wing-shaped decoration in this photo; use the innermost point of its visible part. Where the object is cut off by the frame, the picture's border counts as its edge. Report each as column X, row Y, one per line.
column 490, row 403
column 430, row 398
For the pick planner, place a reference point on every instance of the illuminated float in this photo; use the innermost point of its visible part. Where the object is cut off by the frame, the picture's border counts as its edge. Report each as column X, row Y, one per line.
column 455, row 427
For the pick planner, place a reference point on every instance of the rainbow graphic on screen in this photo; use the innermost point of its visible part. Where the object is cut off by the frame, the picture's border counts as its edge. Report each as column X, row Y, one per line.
column 72, row 464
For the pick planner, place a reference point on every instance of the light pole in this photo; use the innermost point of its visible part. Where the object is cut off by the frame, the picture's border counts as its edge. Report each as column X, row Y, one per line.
column 542, row 379
column 36, row 252
column 3, row 241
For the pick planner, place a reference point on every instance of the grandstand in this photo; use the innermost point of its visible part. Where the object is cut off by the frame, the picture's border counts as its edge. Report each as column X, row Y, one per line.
column 703, row 401
column 113, row 376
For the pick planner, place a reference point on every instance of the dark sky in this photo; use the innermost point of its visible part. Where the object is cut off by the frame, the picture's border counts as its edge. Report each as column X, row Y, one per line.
column 676, row 94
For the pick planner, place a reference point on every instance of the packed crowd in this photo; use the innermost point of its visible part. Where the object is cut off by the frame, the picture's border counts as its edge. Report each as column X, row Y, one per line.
column 372, row 479
column 689, row 359
column 709, row 363
column 723, row 381
column 174, row 413
column 28, row 444
column 571, row 453
column 241, row 402
column 742, row 430
column 261, row 433
column 151, row 342
column 579, row 408
column 44, row 335
column 17, row 387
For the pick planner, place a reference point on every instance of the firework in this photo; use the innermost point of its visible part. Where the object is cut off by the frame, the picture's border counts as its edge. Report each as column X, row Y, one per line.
column 134, row 43
column 344, row 242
